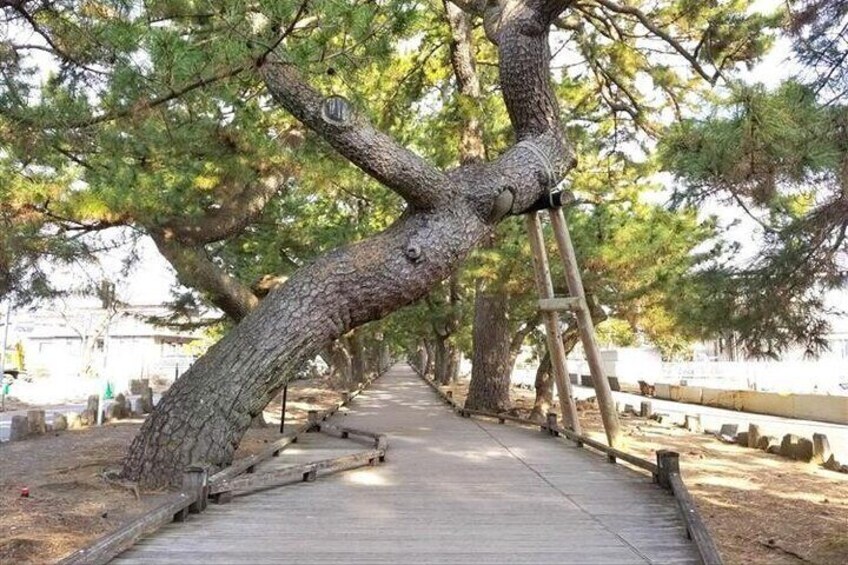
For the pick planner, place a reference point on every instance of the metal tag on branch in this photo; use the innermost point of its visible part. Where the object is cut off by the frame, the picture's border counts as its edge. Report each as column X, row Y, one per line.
column 336, row 110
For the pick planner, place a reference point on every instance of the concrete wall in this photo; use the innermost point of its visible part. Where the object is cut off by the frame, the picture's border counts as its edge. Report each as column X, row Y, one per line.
column 800, row 406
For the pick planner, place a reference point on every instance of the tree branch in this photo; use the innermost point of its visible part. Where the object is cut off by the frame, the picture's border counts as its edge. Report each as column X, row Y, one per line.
column 419, row 183
column 235, row 213
column 195, row 270
column 472, row 148
column 656, row 30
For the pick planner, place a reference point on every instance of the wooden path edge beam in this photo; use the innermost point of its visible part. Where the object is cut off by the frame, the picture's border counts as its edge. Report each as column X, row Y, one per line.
column 176, row 506
column 665, row 472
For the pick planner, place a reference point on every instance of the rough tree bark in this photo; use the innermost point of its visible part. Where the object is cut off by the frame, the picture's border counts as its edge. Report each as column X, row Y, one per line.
column 544, row 383
column 204, row 415
column 490, row 369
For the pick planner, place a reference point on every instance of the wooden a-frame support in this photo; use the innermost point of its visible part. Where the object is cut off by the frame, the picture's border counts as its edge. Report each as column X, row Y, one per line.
column 551, row 305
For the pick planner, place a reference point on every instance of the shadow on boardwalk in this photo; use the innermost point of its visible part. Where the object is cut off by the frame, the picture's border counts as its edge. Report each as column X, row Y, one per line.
column 453, row 490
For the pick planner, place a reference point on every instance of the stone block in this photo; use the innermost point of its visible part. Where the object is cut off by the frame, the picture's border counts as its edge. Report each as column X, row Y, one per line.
column 821, row 449
column 803, row 450
column 60, row 423
column 74, row 421
column 753, row 435
column 147, row 401
column 36, row 423
column 119, row 409
column 789, row 445
column 88, row 417
column 645, row 409
column 137, row 386
column 93, row 403
column 693, row 423
column 835, row 465
column 742, row 439
column 769, row 444
column 18, row 428
column 728, row 430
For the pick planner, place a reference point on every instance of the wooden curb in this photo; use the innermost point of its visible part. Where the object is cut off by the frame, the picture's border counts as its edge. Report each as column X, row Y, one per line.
column 198, row 486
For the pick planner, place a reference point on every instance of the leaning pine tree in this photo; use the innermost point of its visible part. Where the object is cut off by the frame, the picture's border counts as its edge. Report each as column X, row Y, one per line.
column 203, row 417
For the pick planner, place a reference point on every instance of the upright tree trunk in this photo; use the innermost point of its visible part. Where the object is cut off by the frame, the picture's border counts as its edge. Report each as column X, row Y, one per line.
column 544, row 389
column 491, row 369
column 341, row 367
column 429, row 368
column 358, row 359
column 448, row 357
column 545, row 379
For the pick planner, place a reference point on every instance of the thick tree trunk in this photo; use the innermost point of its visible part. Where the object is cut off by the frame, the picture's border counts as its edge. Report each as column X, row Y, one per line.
column 341, row 365
column 544, row 389
column 204, row 415
column 545, row 379
column 448, row 357
column 429, row 368
column 491, row 369
column 357, row 357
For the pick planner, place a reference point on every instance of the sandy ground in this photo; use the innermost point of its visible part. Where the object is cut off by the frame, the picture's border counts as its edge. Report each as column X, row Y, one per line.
column 70, row 504
column 761, row 508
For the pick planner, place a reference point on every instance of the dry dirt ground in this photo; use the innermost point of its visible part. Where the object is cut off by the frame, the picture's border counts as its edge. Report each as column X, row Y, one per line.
column 760, row 508
column 69, row 502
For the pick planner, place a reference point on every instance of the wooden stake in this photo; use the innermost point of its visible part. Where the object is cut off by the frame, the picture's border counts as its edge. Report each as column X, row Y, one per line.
column 553, row 332
column 606, row 404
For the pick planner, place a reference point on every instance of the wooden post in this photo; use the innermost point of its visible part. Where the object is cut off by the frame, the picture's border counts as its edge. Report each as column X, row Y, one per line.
column 552, row 424
column 313, row 421
column 606, row 404
column 283, row 409
column 195, row 481
column 668, row 463
column 553, row 333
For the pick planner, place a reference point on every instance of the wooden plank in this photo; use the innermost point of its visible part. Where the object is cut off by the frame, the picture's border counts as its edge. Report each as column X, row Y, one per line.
column 112, row 544
column 455, row 491
column 695, row 525
column 240, row 466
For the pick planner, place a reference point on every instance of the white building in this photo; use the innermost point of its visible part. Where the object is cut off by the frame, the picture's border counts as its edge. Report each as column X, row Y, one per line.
column 78, row 343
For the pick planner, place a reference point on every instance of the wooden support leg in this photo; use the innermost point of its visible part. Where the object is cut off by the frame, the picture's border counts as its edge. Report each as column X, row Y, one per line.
column 194, row 481
column 668, row 463
column 606, row 404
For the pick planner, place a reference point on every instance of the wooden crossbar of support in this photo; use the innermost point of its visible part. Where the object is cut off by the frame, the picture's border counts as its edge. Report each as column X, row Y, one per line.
column 568, row 304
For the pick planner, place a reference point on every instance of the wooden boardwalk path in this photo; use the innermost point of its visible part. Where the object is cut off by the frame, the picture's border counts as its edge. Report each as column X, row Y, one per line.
column 453, row 490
